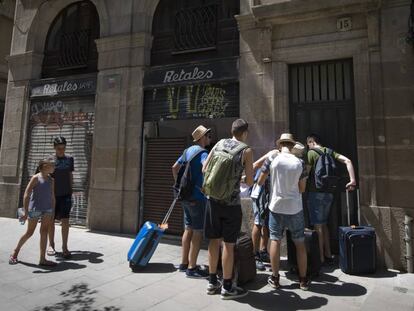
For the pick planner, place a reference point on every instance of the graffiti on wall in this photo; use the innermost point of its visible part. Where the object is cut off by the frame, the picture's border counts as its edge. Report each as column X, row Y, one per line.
column 191, row 101
column 74, row 121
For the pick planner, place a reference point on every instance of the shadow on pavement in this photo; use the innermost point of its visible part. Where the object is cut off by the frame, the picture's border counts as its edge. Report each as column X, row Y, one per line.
column 282, row 300
column 92, row 257
column 259, row 282
column 61, row 266
column 78, row 297
column 155, row 267
column 382, row 274
column 329, row 285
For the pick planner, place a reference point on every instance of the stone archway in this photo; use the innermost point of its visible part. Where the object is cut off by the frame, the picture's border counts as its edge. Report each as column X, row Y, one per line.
column 35, row 37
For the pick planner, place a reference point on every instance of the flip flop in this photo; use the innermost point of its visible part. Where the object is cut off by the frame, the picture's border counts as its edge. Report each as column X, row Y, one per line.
column 13, row 260
column 48, row 264
column 51, row 252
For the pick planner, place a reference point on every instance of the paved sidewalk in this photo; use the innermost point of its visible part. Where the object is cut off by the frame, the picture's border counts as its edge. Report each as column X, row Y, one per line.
column 98, row 278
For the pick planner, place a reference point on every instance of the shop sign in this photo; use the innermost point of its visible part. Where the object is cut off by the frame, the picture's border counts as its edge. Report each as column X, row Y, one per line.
column 63, row 87
column 219, row 70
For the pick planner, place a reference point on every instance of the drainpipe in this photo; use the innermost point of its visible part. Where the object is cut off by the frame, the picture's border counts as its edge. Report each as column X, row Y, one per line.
column 408, row 225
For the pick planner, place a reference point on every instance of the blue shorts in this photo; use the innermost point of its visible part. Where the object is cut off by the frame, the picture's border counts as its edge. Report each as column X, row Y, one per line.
column 294, row 223
column 259, row 220
column 194, row 214
column 39, row 214
column 319, row 206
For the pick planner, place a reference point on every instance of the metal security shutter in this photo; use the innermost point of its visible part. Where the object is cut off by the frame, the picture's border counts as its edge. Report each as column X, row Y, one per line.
column 72, row 118
column 161, row 154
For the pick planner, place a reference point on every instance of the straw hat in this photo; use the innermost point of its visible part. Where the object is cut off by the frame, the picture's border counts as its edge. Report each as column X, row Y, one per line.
column 286, row 137
column 199, row 132
column 298, row 149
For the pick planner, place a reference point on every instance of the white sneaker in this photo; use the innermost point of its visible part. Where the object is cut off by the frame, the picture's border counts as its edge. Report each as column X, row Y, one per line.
column 234, row 293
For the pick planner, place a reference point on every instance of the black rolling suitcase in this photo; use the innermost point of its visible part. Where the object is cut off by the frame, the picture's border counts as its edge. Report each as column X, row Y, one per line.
column 312, row 250
column 357, row 248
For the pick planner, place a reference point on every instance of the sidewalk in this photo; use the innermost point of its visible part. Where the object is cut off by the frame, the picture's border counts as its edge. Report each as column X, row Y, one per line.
column 98, row 278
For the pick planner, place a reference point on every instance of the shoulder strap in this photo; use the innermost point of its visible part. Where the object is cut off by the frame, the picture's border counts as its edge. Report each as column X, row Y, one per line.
column 196, row 154
column 239, row 148
column 318, row 151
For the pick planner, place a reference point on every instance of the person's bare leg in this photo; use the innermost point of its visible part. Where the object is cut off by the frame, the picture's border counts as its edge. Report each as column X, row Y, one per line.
column 256, row 233
column 301, row 258
column 31, row 226
column 185, row 245
column 196, row 239
column 44, row 230
column 327, row 241
column 213, row 255
column 264, row 241
column 65, row 234
column 319, row 230
column 275, row 256
column 228, row 260
column 51, row 233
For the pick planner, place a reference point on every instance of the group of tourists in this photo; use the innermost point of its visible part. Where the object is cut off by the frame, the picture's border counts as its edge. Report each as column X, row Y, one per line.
column 208, row 184
column 213, row 208
column 48, row 197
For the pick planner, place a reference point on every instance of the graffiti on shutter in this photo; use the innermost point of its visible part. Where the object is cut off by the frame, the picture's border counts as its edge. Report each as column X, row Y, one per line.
column 74, row 120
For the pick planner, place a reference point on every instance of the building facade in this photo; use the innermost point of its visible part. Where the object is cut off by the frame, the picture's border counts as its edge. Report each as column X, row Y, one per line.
column 126, row 82
column 6, row 30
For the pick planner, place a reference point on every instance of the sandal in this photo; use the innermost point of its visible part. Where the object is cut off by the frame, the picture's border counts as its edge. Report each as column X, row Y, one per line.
column 51, row 251
column 13, row 260
column 67, row 255
column 48, row 263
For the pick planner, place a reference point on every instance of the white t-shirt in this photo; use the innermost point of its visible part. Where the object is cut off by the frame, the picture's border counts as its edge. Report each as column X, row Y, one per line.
column 285, row 172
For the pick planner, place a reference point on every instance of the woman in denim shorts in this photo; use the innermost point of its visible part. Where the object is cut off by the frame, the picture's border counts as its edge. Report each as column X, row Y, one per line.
column 38, row 204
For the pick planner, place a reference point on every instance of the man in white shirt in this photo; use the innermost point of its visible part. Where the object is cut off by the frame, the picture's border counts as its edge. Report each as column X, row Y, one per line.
column 288, row 180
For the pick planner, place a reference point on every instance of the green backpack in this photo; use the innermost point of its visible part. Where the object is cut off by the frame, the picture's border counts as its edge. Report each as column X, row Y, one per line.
column 223, row 172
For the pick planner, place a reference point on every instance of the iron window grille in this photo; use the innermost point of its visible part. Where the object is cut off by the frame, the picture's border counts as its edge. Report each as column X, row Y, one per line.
column 195, row 29
column 74, row 49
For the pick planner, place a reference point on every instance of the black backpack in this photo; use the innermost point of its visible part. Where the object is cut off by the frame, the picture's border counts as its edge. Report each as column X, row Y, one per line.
column 184, row 185
column 325, row 174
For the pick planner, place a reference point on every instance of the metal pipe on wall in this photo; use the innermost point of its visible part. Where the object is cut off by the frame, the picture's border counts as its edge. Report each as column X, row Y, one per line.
column 408, row 226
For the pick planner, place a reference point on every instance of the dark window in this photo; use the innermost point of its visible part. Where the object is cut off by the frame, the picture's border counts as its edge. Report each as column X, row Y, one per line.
column 195, row 28
column 70, row 45
column 185, row 31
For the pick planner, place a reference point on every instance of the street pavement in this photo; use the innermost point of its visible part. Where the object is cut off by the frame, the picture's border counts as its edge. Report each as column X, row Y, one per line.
column 98, row 278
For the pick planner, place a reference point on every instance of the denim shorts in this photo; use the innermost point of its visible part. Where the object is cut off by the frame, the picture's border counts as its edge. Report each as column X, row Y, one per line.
column 260, row 221
column 194, row 214
column 294, row 223
column 39, row 214
column 319, row 206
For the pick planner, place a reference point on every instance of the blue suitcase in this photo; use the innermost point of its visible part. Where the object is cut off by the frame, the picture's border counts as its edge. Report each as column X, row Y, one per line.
column 144, row 245
column 357, row 249
column 357, row 246
column 147, row 241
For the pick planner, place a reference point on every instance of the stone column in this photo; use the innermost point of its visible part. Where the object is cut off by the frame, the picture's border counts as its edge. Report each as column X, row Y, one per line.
column 115, row 174
column 22, row 68
column 257, row 85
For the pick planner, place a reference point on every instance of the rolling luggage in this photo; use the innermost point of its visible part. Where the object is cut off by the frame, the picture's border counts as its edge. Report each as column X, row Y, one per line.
column 244, row 260
column 312, row 250
column 147, row 241
column 357, row 248
column 244, row 269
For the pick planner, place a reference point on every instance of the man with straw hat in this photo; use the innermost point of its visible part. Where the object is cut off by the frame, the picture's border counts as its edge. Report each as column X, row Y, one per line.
column 288, row 180
column 194, row 205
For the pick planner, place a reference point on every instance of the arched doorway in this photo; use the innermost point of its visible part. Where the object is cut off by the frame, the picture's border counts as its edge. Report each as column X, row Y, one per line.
column 63, row 102
column 192, row 80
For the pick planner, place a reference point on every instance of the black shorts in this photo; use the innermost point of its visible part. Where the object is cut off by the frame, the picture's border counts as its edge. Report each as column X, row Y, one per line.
column 222, row 221
column 63, row 206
